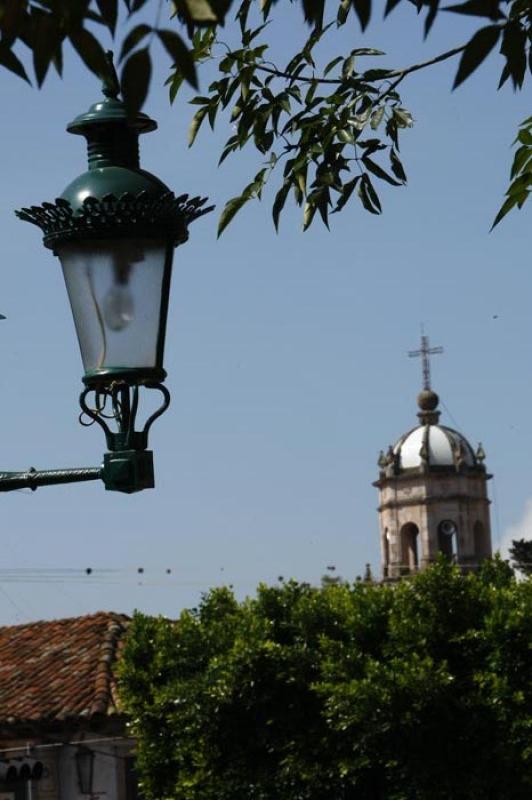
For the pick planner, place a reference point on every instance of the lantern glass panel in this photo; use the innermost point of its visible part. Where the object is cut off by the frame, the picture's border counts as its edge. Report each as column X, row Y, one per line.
column 115, row 287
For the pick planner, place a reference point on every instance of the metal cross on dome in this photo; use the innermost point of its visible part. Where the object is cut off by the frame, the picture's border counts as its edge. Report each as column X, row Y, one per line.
column 424, row 352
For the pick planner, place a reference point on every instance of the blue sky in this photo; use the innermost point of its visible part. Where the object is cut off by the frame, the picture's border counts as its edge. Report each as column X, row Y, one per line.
column 287, row 354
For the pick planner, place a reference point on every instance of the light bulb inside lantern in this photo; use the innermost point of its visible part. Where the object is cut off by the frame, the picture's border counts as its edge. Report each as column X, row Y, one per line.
column 118, row 307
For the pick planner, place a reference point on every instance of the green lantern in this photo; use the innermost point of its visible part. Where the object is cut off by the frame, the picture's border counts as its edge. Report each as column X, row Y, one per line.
column 114, row 229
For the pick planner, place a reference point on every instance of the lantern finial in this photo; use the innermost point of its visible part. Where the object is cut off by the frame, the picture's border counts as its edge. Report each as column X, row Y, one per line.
column 110, row 82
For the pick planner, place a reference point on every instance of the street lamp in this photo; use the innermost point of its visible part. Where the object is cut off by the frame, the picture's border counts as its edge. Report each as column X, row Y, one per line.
column 114, row 229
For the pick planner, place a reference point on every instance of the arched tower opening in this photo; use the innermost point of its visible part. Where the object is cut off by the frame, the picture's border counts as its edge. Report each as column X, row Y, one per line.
column 481, row 541
column 448, row 539
column 386, row 553
column 409, row 548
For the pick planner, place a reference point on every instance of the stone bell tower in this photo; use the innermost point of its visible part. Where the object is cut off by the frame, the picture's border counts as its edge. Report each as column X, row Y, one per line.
column 432, row 492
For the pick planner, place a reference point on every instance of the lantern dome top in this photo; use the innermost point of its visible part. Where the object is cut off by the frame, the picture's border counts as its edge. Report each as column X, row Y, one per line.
column 111, row 110
column 114, row 198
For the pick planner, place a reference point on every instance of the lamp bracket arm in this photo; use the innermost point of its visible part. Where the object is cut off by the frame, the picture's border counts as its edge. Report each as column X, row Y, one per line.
column 33, row 478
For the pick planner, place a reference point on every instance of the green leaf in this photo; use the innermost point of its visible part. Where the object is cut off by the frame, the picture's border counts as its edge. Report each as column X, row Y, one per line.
column 348, row 67
column 363, row 11
column 11, row 62
column 135, row 79
column 313, row 10
column 204, row 12
column 134, row 37
column 195, row 125
column 109, row 12
column 505, row 74
column 368, row 195
column 57, row 60
column 180, row 54
column 231, row 208
column 345, row 136
column 347, row 191
column 525, row 136
column 308, row 214
column 375, row 75
column 367, row 51
column 90, row 51
column 378, row 171
column 323, row 208
column 265, row 6
column 343, row 12
column 332, row 64
column 45, row 39
column 478, row 8
column 212, row 112
column 390, row 5
column 376, row 117
column 200, row 100
column 521, row 158
column 392, row 132
column 309, row 97
column 403, row 118
column 513, row 47
column 136, row 5
column 431, row 14
column 507, row 206
column 231, row 145
column 397, row 167
column 477, row 49
column 278, row 205
column 254, row 189
column 242, row 15
column 176, row 81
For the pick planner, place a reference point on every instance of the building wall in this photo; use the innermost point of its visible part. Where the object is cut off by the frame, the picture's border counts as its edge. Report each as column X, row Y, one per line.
column 60, row 778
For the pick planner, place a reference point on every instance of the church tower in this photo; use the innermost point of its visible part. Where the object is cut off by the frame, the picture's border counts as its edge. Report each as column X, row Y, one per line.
column 432, row 492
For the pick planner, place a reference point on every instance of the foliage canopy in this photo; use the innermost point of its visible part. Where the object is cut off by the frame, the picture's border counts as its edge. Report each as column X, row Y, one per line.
column 418, row 691
column 329, row 131
column 521, row 555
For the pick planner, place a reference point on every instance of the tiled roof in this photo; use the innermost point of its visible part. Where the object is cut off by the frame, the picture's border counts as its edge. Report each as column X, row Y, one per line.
column 59, row 670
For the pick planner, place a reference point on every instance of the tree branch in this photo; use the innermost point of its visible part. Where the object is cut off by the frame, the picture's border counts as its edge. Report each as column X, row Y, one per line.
column 400, row 73
column 415, row 67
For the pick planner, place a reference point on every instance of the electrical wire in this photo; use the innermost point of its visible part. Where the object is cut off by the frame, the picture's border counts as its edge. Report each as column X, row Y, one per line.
column 162, row 577
column 76, row 743
column 452, row 418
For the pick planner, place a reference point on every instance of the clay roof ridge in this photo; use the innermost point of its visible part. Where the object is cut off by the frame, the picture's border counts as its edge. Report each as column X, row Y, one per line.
column 104, row 679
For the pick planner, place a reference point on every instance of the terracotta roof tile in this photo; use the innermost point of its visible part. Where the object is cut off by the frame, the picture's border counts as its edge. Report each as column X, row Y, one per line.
column 60, row 669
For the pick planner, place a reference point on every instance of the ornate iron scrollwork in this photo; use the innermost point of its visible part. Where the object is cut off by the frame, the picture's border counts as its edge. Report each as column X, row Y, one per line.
column 119, row 401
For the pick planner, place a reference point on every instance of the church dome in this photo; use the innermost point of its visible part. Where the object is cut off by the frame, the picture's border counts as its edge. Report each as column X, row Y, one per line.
column 433, row 445
column 430, row 446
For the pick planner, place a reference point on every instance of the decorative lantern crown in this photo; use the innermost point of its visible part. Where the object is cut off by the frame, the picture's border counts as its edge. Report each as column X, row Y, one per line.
column 114, row 197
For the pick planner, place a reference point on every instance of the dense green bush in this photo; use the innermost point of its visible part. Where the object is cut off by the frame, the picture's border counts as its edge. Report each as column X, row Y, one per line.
column 399, row 692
